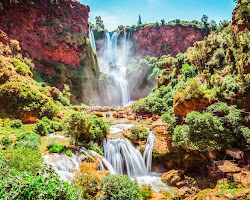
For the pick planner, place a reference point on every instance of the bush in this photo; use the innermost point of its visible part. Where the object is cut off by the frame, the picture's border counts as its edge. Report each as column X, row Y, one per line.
column 23, row 159
column 44, row 185
column 46, row 126
column 146, row 192
column 21, row 68
column 56, row 148
column 6, row 141
column 28, row 140
column 16, row 124
column 42, row 128
column 84, row 128
column 169, row 118
column 138, row 133
column 95, row 147
column 49, row 110
column 69, row 153
column 120, row 187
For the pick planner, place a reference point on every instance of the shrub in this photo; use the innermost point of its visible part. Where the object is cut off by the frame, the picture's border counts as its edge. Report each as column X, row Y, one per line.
column 42, row 128
column 21, row 68
column 138, row 133
column 120, row 187
column 6, row 141
column 44, row 185
column 69, row 153
column 46, row 126
column 169, row 118
column 95, row 147
column 146, row 192
column 49, row 110
column 188, row 71
column 85, row 128
column 28, row 140
column 56, row 148
column 16, row 124
column 23, row 159
column 89, row 185
column 15, row 46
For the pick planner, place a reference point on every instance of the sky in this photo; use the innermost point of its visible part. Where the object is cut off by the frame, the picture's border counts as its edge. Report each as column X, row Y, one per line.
column 126, row 12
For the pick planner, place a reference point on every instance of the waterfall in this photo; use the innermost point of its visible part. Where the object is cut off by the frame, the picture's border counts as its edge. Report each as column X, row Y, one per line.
column 92, row 39
column 147, row 155
column 114, row 59
column 126, row 159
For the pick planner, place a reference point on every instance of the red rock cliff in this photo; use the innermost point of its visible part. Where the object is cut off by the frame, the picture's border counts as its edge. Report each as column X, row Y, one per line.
column 54, row 36
column 158, row 41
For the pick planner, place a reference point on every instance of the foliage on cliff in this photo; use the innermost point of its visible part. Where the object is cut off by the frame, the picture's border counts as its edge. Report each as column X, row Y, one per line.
column 19, row 92
column 213, row 70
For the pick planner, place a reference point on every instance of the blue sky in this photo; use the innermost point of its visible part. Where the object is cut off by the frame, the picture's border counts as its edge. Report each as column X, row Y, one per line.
column 126, row 12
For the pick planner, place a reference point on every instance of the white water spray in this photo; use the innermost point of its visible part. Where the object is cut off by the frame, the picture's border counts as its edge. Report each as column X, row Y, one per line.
column 113, row 60
column 126, row 159
column 92, row 39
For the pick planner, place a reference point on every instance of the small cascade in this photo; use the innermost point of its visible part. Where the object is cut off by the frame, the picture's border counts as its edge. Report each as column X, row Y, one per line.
column 92, row 39
column 64, row 166
column 147, row 155
column 125, row 159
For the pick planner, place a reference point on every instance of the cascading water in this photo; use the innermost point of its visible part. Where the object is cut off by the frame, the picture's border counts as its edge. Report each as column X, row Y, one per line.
column 126, row 159
column 92, row 39
column 113, row 61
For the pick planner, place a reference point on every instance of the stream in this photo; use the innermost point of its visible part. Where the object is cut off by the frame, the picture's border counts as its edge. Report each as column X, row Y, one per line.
column 120, row 156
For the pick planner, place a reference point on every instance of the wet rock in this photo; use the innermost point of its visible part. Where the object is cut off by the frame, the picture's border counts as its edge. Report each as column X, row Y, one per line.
column 172, row 177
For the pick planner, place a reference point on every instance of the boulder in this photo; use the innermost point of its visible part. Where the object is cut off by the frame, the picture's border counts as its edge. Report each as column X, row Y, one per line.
column 172, row 177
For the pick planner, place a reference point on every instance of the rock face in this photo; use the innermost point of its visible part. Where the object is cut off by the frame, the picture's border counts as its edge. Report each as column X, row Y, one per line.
column 158, row 41
column 187, row 106
column 54, row 36
column 240, row 24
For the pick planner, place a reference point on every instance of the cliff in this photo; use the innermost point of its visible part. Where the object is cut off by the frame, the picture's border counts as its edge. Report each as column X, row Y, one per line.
column 158, row 41
column 53, row 34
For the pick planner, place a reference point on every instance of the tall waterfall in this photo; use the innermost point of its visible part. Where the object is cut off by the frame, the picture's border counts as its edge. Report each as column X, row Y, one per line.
column 126, row 159
column 114, row 59
column 92, row 39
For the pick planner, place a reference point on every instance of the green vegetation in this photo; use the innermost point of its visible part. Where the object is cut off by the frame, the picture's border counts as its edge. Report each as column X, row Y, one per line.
column 69, row 153
column 146, row 192
column 138, row 134
column 56, row 148
column 84, row 128
column 218, row 127
column 46, row 126
column 16, row 124
column 120, row 187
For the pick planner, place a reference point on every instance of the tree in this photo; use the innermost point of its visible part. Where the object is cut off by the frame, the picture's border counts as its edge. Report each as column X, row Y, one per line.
column 204, row 20
column 139, row 21
column 99, row 23
column 163, row 22
column 212, row 25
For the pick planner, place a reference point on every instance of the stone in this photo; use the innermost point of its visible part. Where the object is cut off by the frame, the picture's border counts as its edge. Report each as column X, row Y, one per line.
column 172, row 177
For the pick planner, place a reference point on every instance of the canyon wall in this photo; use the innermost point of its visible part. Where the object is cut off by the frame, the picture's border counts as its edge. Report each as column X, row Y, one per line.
column 53, row 34
column 158, row 41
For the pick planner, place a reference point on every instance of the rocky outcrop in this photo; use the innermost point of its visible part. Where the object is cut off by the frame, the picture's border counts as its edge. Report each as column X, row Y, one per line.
column 158, row 41
column 239, row 22
column 53, row 34
column 195, row 104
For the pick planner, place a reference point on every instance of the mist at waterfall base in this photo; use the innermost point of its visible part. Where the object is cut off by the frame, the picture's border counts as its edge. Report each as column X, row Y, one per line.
column 113, row 57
